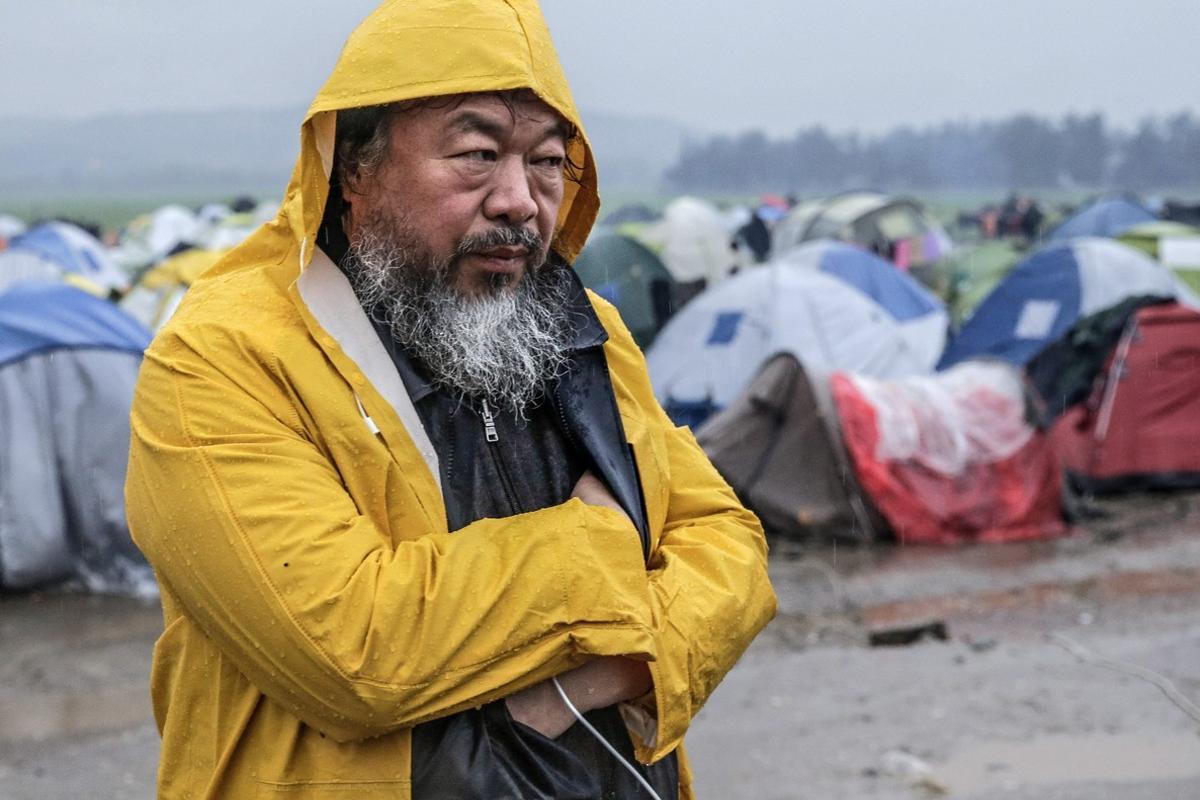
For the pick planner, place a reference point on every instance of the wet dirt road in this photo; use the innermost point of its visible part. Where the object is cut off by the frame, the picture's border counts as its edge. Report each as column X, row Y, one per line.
column 1001, row 709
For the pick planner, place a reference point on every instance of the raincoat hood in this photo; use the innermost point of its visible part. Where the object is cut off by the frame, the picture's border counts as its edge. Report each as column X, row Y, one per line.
column 404, row 51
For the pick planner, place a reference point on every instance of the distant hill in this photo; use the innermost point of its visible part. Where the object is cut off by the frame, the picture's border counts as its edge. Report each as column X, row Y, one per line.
column 247, row 151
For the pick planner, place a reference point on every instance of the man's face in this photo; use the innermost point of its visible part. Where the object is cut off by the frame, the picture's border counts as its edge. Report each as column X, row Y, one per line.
column 455, row 172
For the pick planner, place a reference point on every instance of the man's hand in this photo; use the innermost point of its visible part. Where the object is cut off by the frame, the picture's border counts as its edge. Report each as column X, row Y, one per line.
column 599, row 683
column 592, row 491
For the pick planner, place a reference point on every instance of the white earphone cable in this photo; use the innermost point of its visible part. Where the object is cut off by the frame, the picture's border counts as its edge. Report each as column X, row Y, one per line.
column 603, row 741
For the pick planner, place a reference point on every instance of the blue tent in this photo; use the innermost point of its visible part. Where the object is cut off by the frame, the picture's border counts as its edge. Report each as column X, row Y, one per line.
column 68, row 365
column 1109, row 216
column 902, row 296
column 1050, row 291
column 36, row 316
column 71, row 249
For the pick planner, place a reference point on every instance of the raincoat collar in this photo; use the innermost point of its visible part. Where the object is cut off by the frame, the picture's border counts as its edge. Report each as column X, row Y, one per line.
column 329, row 297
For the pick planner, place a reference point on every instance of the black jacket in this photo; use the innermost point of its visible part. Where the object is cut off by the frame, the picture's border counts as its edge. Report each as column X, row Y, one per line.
column 533, row 463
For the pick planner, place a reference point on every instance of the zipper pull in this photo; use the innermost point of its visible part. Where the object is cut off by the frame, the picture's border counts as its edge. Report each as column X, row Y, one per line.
column 489, row 423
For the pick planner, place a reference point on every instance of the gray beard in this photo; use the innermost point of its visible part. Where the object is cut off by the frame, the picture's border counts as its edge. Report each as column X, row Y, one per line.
column 506, row 344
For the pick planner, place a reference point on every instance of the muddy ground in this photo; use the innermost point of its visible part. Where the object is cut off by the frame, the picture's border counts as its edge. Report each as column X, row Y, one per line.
column 1021, row 700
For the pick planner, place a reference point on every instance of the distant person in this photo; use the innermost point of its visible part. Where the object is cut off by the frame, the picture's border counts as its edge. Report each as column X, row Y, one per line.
column 406, row 487
column 1179, row 211
column 756, row 236
column 243, row 205
column 1010, row 216
column 1031, row 218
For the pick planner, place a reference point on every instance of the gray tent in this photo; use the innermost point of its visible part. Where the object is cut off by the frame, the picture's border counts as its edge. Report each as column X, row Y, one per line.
column 68, row 364
column 896, row 228
column 779, row 447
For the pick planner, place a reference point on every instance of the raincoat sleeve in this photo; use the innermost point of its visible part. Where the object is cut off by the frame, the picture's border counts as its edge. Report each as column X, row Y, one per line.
column 248, row 525
column 710, row 593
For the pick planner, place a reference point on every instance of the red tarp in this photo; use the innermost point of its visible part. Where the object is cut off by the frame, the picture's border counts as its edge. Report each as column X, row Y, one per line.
column 949, row 458
column 1141, row 427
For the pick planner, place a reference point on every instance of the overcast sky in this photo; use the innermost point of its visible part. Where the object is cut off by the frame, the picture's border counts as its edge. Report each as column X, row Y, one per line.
column 722, row 66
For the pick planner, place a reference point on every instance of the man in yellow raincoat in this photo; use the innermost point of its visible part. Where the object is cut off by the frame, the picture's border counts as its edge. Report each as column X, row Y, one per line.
column 405, row 485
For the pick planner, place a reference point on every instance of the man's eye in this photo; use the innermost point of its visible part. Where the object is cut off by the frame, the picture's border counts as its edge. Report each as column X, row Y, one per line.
column 553, row 162
column 479, row 155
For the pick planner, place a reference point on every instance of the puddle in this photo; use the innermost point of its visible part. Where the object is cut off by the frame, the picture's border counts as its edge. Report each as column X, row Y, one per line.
column 1074, row 759
column 42, row 716
column 74, row 665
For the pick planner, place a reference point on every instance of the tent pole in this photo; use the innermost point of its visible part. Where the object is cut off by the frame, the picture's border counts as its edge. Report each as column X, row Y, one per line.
column 1110, row 390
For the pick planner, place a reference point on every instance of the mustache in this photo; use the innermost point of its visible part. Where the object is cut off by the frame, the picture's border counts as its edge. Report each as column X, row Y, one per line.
column 501, row 236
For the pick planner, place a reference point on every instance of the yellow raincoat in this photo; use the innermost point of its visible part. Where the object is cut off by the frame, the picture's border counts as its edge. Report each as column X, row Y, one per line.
column 282, row 486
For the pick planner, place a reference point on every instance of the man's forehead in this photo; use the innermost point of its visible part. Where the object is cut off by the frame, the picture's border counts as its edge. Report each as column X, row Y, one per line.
column 496, row 112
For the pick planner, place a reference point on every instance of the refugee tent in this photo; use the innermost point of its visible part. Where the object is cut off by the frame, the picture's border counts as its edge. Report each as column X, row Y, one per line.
column 710, row 350
column 922, row 317
column 59, row 249
column 210, row 214
column 949, row 458
column 68, row 364
column 1064, row 373
column 1106, row 216
column 970, row 273
column 227, row 233
column 1173, row 244
column 780, row 448
column 17, row 267
column 1140, row 427
column 625, row 273
column 1051, row 290
column 232, row 230
column 691, row 240
column 10, row 226
column 895, row 228
column 158, row 293
column 148, row 239
column 734, row 217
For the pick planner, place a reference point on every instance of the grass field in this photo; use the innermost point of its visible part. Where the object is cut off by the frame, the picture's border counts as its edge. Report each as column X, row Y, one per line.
column 112, row 211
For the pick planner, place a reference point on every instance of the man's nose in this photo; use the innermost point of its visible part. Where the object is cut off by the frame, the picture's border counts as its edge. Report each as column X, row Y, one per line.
column 511, row 198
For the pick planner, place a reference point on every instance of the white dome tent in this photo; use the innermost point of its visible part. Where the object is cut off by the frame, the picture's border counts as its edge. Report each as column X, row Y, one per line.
column 709, row 352
column 922, row 318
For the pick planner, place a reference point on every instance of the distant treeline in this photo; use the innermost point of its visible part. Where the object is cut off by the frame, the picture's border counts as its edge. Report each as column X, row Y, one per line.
column 1024, row 151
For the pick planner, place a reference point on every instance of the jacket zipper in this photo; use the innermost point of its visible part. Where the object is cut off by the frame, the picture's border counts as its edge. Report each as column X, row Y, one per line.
column 489, row 422
column 562, row 419
column 493, row 437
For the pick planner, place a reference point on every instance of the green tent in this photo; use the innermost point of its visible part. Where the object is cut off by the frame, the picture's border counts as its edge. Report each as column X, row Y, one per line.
column 1173, row 244
column 632, row 278
column 970, row 273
